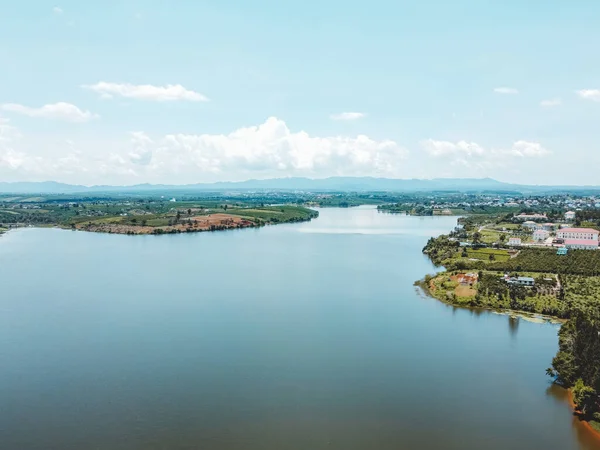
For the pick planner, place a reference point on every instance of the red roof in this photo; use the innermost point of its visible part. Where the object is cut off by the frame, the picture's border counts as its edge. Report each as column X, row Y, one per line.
column 586, row 242
column 578, row 230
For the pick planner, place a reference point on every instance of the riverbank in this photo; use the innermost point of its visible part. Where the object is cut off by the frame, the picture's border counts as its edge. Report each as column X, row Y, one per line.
column 592, row 426
column 540, row 285
column 425, row 287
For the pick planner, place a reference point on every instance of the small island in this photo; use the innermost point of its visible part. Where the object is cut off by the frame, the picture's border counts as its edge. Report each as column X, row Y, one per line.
column 497, row 262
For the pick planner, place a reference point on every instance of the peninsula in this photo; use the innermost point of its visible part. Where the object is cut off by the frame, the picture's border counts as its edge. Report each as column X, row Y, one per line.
column 536, row 264
column 145, row 215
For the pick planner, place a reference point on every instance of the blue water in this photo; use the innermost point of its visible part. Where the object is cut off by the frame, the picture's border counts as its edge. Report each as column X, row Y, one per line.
column 300, row 336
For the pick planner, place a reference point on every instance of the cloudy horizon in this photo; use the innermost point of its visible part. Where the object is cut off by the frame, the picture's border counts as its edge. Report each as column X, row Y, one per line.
column 159, row 99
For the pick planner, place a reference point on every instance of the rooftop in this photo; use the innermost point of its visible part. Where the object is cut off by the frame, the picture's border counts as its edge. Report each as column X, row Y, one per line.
column 587, row 242
column 578, row 230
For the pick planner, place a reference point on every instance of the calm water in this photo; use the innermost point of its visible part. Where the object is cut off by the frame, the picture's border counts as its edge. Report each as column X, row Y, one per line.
column 303, row 336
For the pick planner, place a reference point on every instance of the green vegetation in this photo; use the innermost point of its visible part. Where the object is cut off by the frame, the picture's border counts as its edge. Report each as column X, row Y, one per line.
column 135, row 215
column 577, row 363
column 492, row 292
column 566, row 287
column 577, row 262
column 274, row 214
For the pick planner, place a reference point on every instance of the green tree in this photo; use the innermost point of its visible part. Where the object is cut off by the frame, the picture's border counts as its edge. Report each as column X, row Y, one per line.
column 584, row 397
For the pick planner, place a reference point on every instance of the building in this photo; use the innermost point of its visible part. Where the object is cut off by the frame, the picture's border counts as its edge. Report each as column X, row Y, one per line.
column 581, row 244
column 530, row 225
column 525, row 217
column 562, row 251
column 467, row 278
column 520, row 281
column 548, row 227
column 570, row 215
column 578, row 233
column 540, row 235
column 514, row 241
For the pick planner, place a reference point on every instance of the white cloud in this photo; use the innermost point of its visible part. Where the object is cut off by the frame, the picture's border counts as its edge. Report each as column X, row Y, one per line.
column 347, row 116
column 446, row 148
column 57, row 10
column 267, row 150
column 170, row 92
column 59, row 111
column 589, row 94
column 551, row 102
column 528, row 149
column 505, row 90
column 471, row 154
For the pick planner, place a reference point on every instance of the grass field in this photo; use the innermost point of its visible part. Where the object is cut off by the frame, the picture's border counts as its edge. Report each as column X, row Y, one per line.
column 489, row 236
column 484, row 254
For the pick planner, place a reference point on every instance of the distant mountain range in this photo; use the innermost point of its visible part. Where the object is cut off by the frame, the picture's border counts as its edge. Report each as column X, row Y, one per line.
column 297, row 184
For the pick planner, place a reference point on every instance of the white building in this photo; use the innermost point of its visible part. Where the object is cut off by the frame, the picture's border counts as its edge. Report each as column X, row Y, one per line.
column 579, row 238
column 540, row 235
column 570, row 215
column 514, row 241
column 530, row 225
column 578, row 233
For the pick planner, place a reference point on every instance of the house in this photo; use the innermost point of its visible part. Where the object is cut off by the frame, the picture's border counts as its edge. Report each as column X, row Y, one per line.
column 570, row 215
column 540, row 235
column 562, row 251
column 514, row 241
column 530, row 225
column 520, row 281
column 548, row 227
column 578, row 233
column 581, row 244
column 467, row 279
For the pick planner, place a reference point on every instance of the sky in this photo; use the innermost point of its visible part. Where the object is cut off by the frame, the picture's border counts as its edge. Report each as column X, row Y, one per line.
column 148, row 91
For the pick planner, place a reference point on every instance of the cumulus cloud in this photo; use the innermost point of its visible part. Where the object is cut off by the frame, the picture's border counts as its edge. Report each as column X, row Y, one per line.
column 57, row 10
column 347, row 116
column 551, row 102
column 471, row 154
column 58, row 111
column 446, row 148
column 170, row 92
column 270, row 149
column 505, row 90
column 589, row 94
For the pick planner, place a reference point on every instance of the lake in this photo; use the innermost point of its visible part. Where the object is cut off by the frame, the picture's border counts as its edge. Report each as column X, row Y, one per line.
column 298, row 336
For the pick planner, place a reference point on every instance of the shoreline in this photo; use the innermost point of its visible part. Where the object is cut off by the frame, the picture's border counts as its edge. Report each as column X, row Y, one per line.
column 420, row 284
column 501, row 311
column 588, row 426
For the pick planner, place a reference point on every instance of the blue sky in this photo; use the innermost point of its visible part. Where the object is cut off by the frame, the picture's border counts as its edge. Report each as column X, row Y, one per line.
column 507, row 89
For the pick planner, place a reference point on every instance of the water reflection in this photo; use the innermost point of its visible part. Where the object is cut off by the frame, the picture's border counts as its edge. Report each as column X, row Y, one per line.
column 513, row 326
column 588, row 439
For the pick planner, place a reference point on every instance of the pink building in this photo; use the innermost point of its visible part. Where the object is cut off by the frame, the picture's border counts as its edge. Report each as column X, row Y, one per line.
column 579, row 238
column 577, row 233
